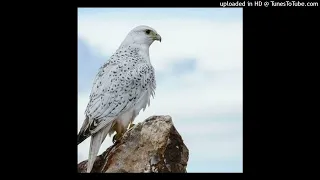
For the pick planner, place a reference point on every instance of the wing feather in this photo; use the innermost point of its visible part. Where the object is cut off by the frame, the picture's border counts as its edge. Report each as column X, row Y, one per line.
column 117, row 88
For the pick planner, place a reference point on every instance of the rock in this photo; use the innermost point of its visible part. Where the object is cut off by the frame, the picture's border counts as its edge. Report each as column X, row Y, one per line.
column 152, row 146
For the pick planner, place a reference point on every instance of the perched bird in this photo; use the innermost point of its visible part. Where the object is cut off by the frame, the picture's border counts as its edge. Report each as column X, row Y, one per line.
column 122, row 87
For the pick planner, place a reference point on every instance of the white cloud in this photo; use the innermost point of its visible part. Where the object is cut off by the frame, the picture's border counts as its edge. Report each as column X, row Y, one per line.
column 212, row 89
column 215, row 45
column 212, row 141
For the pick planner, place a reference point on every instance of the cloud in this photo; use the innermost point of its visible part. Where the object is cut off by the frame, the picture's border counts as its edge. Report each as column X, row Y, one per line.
column 88, row 64
column 199, row 77
column 184, row 66
column 215, row 44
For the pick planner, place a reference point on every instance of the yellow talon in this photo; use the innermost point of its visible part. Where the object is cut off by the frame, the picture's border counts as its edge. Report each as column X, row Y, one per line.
column 117, row 137
column 131, row 125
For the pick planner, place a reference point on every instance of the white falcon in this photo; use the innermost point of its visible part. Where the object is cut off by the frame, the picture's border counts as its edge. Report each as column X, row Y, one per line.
column 122, row 87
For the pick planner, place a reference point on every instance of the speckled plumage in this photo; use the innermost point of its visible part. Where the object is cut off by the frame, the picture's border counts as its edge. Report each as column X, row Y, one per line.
column 122, row 87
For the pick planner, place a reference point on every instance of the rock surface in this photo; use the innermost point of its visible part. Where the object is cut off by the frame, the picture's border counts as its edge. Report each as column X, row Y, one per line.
column 152, row 146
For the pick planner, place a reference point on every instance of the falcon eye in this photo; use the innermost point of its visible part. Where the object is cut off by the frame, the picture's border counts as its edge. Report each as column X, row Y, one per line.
column 148, row 31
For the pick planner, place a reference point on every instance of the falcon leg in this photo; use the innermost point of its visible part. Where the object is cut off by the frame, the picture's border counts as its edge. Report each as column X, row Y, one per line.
column 131, row 125
column 119, row 133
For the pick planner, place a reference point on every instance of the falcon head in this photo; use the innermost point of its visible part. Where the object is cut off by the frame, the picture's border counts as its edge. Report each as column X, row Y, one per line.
column 142, row 35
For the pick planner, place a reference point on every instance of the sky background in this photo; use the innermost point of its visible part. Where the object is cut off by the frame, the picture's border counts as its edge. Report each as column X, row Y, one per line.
column 198, row 72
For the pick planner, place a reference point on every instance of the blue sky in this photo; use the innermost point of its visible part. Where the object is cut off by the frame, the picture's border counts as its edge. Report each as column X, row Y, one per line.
column 198, row 71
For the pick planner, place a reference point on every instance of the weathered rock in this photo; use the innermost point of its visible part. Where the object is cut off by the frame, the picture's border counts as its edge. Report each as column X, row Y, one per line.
column 149, row 147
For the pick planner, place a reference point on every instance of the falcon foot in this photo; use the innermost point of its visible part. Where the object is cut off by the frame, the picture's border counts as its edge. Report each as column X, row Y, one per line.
column 117, row 138
column 131, row 125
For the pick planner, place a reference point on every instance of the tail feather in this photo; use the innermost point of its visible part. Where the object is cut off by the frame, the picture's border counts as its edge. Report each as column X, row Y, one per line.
column 96, row 141
column 81, row 138
column 83, row 135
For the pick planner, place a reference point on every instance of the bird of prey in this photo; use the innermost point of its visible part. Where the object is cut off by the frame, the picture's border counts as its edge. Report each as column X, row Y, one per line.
column 122, row 87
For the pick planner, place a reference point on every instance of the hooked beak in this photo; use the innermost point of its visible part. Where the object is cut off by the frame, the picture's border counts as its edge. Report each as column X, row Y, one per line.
column 157, row 37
